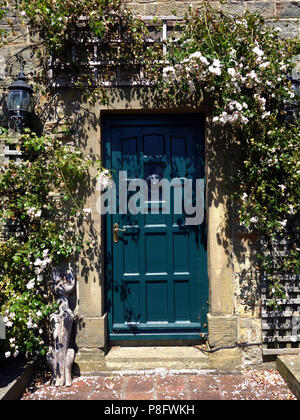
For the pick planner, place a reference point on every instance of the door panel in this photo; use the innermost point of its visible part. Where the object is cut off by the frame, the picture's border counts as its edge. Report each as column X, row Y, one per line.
column 156, row 275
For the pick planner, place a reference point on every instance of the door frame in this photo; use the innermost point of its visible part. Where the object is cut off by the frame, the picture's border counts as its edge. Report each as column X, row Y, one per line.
column 107, row 237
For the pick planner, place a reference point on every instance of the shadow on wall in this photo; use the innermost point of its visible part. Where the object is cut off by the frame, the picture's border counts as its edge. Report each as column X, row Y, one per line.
column 225, row 152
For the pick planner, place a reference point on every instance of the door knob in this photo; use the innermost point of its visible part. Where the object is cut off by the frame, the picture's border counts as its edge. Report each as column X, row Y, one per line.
column 116, row 230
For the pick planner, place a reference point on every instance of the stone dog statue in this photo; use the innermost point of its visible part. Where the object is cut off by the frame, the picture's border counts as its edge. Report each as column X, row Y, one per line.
column 59, row 357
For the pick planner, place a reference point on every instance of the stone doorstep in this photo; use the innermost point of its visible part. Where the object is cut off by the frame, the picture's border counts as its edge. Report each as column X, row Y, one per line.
column 180, row 357
column 289, row 368
column 153, row 357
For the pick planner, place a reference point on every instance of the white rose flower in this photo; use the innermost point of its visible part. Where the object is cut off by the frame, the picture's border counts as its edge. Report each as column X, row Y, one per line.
column 204, row 60
column 292, row 210
column 196, row 54
column 105, row 180
column 29, row 323
column 191, row 85
column 265, row 114
column 215, row 70
column 282, row 187
column 231, row 71
column 264, row 64
column 258, row 51
column 45, row 252
column 8, row 323
column 252, row 75
column 169, row 73
column 30, row 284
column 239, row 107
column 38, row 262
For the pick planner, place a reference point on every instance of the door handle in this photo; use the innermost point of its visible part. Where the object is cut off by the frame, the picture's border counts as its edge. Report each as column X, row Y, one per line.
column 116, row 230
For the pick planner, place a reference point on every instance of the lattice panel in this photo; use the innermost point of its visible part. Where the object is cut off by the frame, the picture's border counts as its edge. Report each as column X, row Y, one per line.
column 281, row 328
column 100, row 53
column 12, row 154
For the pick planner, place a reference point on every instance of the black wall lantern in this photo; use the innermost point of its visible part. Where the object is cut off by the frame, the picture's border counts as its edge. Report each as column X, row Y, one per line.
column 20, row 102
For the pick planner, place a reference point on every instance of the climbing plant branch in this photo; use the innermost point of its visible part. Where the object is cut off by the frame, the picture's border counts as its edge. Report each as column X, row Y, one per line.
column 243, row 68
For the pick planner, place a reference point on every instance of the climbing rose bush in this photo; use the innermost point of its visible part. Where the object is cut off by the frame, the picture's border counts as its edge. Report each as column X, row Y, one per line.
column 40, row 203
column 241, row 69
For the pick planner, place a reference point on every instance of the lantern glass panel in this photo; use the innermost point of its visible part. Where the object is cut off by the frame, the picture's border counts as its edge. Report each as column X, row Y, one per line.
column 25, row 101
column 14, row 100
column 31, row 104
column 20, row 100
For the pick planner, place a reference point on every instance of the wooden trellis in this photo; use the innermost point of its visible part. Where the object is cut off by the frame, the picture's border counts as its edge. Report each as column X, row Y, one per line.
column 12, row 154
column 122, row 75
column 281, row 328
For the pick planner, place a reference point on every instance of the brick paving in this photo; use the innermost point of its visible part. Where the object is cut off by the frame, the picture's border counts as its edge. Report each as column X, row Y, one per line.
column 167, row 385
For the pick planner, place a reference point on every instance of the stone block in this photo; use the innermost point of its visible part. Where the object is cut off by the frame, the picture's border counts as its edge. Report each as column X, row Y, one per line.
column 250, row 330
column 289, row 29
column 92, row 332
column 233, row 7
column 226, row 360
column 166, row 8
column 222, row 330
column 288, row 10
column 266, row 9
column 89, row 360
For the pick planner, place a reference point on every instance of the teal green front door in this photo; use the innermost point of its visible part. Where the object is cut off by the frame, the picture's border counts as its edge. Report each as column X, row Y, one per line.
column 156, row 263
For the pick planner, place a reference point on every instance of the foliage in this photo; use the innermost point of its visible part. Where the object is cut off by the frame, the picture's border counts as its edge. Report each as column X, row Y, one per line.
column 242, row 68
column 4, row 20
column 71, row 30
column 39, row 197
